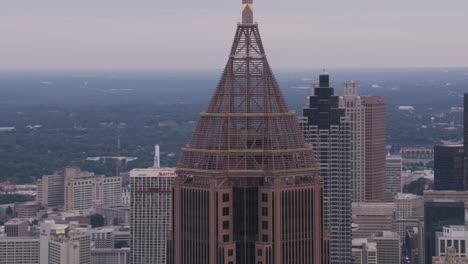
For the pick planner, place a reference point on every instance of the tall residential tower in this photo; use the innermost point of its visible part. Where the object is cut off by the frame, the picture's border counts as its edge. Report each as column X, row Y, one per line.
column 248, row 187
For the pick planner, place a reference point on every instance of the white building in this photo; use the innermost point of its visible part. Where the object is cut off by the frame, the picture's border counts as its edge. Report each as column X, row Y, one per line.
column 393, row 170
column 356, row 113
column 64, row 244
column 84, row 190
column 452, row 236
column 364, row 252
column 150, row 213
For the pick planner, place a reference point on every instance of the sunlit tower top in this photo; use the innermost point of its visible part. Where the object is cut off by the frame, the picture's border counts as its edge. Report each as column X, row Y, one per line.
column 247, row 11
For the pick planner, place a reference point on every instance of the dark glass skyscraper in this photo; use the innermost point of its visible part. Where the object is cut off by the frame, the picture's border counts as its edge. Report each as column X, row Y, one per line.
column 327, row 128
column 437, row 214
column 248, row 187
column 448, row 167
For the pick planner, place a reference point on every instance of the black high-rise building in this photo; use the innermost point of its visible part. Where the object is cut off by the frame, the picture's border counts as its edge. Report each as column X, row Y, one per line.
column 448, row 167
column 327, row 128
column 437, row 214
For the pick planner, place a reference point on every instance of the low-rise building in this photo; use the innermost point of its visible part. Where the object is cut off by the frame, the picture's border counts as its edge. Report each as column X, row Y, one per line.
column 17, row 227
column 369, row 218
column 19, row 250
column 388, row 247
column 110, row 256
column 364, row 252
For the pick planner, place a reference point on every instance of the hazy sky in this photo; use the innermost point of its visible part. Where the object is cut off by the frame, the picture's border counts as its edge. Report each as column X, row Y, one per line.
column 197, row 34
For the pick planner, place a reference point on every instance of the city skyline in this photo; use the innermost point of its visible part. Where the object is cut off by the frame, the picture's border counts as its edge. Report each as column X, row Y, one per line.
column 148, row 35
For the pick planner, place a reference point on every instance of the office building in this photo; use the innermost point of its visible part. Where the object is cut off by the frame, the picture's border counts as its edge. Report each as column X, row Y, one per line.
column 27, row 209
column 150, row 213
column 115, row 214
column 103, row 237
column 84, row 190
column 64, row 244
column 409, row 213
column 450, row 258
column 247, row 183
column 376, row 143
column 367, row 115
column 448, row 167
column 369, row 218
column 437, row 214
column 452, row 236
column 326, row 128
column 17, row 227
column 465, row 142
column 388, row 247
column 110, row 256
column 393, row 170
column 50, row 190
column 356, row 114
column 19, row 250
column 364, row 251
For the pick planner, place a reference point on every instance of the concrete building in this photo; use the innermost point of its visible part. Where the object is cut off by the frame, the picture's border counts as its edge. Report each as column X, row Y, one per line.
column 367, row 115
column 115, row 214
column 369, row 218
column 110, row 256
column 388, row 247
column 450, row 258
column 364, row 252
column 326, row 128
column 393, row 170
column 103, row 237
column 431, row 195
column 64, row 244
column 19, row 250
column 409, row 213
column 151, row 213
column 27, row 209
column 17, row 227
column 448, row 167
column 126, row 195
column 452, row 236
column 376, row 143
column 84, row 190
column 356, row 114
column 50, row 190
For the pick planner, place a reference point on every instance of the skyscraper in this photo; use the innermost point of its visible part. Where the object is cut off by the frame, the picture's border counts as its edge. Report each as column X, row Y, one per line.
column 376, row 143
column 367, row 115
column 326, row 127
column 248, row 187
column 355, row 112
column 465, row 140
column 150, row 213
column 448, row 167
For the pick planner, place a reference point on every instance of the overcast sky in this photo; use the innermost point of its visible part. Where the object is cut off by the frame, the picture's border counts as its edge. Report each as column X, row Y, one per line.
column 197, row 34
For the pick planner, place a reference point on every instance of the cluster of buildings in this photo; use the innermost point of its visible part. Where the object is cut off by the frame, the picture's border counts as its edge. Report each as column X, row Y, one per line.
column 257, row 185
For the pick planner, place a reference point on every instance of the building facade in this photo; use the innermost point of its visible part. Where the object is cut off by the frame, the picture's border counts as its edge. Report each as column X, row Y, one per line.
column 17, row 227
column 437, row 214
column 388, row 247
column 452, row 236
column 110, row 256
column 393, row 169
column 376, row 143
column 356, row 114
column 84, row 190
column 50, row 190
column 247, row 183
column 364, row 251
column 448, row 167
column 19, row 250
column 150, row 213
column 327, row 129
column 369, row 218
